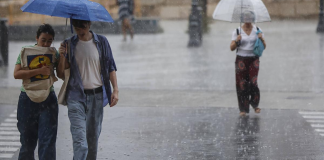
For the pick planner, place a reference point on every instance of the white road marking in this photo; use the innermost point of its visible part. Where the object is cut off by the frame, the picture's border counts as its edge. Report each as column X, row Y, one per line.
column 314, row 117
column 317, row 125
column 315, row 121
column 10, row 138
column 6, row 155
column 11, row 120
column 8, row 129
column 10, row 133
column 313, row 113
column 8, row 124
column 8, row 149
column 10, row 144
column 13, row 115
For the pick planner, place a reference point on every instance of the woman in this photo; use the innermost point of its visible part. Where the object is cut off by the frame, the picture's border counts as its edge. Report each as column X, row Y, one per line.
column 37, row 121
column 247, row 64
column 126, row 10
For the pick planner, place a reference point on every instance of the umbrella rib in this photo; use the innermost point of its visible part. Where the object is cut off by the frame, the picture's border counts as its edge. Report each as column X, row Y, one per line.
column 88, row 10
column 27, row 6
column 54, row 9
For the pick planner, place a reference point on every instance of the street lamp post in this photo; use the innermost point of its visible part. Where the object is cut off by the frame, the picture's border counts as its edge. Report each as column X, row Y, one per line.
column 195, row 25
column 320, row 26
column 4, row 41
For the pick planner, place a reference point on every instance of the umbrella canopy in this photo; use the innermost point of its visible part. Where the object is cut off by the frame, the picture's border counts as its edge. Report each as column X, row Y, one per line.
column 74, row 9
column 233, row 10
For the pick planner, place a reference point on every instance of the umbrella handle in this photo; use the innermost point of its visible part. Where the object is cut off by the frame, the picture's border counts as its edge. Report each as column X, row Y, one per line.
column 65, row 29
column 238, row 43
column 71, row 25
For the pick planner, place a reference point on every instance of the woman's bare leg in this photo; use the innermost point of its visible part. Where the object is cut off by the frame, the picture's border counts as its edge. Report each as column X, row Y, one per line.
column 124, row 27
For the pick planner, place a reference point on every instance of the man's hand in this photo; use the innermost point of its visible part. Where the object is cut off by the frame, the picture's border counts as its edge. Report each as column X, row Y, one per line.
column 62, row 49
column 114, row 98
column 45, row 71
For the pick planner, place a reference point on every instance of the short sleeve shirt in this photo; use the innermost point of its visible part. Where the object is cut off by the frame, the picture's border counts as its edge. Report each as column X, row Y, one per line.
column 19, row 62
column 247, row 41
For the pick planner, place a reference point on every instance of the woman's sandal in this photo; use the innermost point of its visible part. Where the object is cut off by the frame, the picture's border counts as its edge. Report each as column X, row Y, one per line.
column 242, row 113
column 257, row 110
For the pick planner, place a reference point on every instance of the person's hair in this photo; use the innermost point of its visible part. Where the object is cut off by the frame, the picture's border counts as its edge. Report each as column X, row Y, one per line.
column 249, row 14
column 45, row 28
column 79, row 23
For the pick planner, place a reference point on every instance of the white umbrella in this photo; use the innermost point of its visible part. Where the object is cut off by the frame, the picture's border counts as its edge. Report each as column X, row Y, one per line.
column 232, row 10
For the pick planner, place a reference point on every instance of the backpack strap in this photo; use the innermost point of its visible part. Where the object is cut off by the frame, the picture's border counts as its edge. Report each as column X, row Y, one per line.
column 237, row 33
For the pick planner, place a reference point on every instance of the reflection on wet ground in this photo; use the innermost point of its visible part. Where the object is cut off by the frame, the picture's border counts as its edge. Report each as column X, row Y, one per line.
column 247, row 140
column 207, row 133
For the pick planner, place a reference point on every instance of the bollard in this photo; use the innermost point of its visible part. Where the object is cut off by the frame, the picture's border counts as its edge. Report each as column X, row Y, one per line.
column 195, row 25
column 4, row 41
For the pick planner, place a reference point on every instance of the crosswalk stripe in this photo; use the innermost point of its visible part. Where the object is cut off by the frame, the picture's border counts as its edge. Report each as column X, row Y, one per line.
column 13, row 115
column 313, row 113
column 9, row 133
column 10, row 138
column 314, row 117
column 8, row 124
column 7, row 149
column 10, row 144
column 317, row 125
column 11, row 120
column 8, row 129
column 315, row 121
column 6, row 155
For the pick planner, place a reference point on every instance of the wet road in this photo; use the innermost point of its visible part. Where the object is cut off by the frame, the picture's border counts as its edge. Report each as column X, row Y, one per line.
column 201, row 133
column 180, row 103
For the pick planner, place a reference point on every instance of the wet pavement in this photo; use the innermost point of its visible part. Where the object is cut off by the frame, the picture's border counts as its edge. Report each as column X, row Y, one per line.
column 199, row 133
column 180, row 103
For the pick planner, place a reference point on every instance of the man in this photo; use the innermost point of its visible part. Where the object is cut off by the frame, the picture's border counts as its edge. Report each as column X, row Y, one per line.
column 92, row 68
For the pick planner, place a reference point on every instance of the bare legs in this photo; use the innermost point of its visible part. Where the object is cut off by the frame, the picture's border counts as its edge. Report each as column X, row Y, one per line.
column 126, row 26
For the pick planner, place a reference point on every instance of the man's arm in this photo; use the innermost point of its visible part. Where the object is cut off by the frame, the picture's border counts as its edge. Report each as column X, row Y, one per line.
column 63, row 63
column 114, row 96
